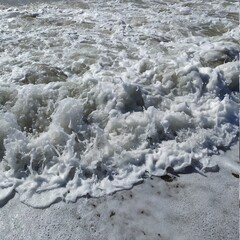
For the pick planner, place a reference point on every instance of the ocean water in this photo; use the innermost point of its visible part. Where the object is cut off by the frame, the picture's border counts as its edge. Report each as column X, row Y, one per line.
column 97, row 95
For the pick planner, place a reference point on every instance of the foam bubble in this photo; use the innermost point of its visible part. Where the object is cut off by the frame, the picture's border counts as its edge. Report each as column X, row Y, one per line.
column 93, row 99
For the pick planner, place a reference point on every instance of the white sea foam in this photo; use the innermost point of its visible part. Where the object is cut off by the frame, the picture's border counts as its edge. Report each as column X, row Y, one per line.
column 94, row 95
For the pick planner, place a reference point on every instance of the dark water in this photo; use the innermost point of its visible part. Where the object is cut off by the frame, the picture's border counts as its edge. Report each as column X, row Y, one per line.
column 23, row 2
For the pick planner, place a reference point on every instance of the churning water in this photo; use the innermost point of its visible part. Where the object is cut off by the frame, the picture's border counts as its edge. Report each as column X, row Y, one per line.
column 95, row 95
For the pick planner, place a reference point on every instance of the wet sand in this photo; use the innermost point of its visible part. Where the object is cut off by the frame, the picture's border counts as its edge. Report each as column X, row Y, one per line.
column 190, row 206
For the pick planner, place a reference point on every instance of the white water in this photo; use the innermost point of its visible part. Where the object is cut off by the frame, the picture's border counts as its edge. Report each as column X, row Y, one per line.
column 96, row 95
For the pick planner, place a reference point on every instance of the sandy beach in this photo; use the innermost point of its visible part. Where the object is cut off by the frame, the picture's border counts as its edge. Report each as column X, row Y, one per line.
column 190, row 206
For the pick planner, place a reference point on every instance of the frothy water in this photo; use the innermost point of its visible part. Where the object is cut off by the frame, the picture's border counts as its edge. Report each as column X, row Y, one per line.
column 96, row 95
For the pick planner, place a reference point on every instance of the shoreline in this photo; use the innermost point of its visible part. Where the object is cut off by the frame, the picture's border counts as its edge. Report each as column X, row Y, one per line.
column 192, row 206
column 94, row 95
